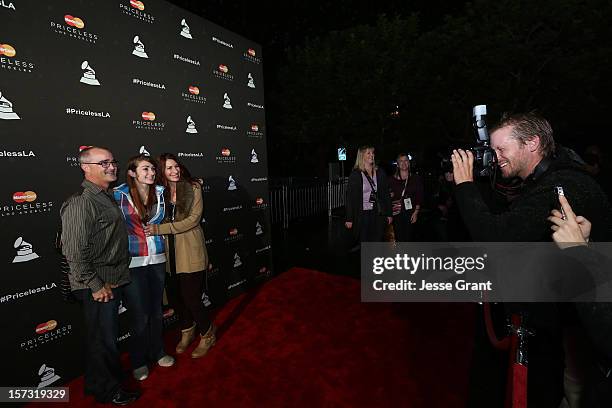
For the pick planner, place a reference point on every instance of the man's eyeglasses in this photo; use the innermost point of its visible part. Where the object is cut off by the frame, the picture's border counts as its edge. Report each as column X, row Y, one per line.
column 106, row 163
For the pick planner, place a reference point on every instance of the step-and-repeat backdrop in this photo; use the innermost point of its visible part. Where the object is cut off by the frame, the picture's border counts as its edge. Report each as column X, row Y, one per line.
column 136, row 77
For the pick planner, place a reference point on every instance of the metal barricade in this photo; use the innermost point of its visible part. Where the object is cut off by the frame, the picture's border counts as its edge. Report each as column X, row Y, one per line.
column 291, row 199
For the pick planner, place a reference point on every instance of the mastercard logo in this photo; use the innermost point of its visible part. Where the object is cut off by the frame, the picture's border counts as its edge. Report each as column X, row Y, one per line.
column 223, row 68
column 74, row 21
column 225, row 152
column 7, row 50
column 251, row 52
column 168, row 313
column 24, row 196
column 148, row 116
column 137, row 4
column 254, row 128
column 259, row 201
column 233, row 231
column 46, row 327
column 194, row 90
column 81, row 148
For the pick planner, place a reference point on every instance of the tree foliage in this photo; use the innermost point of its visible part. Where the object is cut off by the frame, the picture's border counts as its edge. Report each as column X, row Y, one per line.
column 512, row 55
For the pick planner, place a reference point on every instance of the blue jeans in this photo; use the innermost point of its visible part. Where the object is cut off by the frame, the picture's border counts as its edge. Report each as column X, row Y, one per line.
column 143, row 299
column 103, row 373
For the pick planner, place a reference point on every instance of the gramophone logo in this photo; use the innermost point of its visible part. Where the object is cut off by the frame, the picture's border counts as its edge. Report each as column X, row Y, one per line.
column 6, row 109
column 7, row 4
column 185, row 31
column 11, row 64
column 226, row 157
column 139, row 48
column 258, row 229
column 25, row 252
column 143, row 150
column 231, row 183
column 255, row 132
column 251, row 56
column 191, row 127
column 89, row 75
column 222, row 71
column 193, row 95
column 227, row 103
column 251, row 81
column 47, row 376
column 72, row 27
column 254, row 157
column 237, row 261
column 148, row 122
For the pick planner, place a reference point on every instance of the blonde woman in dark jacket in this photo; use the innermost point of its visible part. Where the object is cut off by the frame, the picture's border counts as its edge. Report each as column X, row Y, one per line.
column 186, row 253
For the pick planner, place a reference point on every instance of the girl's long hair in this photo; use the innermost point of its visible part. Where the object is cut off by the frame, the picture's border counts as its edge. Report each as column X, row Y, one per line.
column 143, row 209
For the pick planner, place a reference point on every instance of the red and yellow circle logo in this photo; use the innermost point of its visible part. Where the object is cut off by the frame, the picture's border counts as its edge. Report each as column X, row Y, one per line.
column 225, row 152
column 259, row 201
column 251, row 52
column 148, row 116
column 223, row 68
column 8, row 50
column 24, row 196
column 46, row 327
column 233, row 231
column 74, row 21
column 137, row 5
column 194, row 90
column 254, row 127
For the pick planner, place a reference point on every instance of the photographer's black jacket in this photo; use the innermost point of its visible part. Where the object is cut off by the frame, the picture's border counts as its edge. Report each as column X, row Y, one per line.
column 526, row 218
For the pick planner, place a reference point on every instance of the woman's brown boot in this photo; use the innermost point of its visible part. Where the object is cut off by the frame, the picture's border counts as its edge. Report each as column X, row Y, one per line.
column 206, row 342
column 187, row 336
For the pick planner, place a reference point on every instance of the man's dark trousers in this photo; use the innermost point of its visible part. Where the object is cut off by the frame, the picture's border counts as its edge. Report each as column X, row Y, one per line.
column 103, row 373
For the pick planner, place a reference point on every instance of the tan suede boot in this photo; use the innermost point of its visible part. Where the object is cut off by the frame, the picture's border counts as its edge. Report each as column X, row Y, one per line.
column 206, row 342
column 187, row 336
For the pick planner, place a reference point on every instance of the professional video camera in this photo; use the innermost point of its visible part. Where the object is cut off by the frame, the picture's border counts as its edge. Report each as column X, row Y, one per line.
column 485, row 159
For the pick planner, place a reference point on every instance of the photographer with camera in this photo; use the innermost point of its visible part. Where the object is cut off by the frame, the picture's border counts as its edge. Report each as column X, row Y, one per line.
column 525, row 148
column 368, row 201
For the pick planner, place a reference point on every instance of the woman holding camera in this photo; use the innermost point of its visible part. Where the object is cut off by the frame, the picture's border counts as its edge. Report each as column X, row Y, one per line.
column 368, row 202
column 186, row 252
column 142, row 203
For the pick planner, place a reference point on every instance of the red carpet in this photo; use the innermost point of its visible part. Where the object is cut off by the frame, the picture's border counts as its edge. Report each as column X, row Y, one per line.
column 304, row 339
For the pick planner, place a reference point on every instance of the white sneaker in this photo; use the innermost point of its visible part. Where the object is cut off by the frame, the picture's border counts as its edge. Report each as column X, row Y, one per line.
column 166, row 361
column 141, row 373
